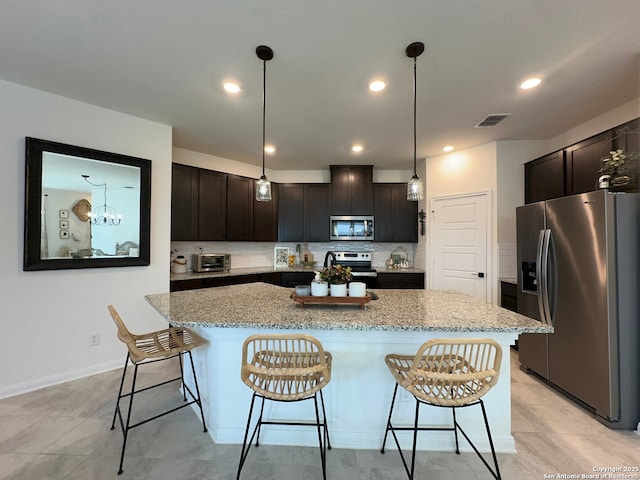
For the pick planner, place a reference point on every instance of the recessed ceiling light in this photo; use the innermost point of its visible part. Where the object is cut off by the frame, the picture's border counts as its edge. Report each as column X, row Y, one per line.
column 270, row 149
column 231, row 87
column 447, row 148
column 377, row 86
column 357, row 148
column 530, row 83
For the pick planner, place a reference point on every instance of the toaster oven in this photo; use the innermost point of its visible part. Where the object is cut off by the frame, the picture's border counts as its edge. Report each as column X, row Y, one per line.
column 211, row 262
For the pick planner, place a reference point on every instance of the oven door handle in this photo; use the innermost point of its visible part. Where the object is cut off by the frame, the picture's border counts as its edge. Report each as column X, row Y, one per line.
column 364, row 274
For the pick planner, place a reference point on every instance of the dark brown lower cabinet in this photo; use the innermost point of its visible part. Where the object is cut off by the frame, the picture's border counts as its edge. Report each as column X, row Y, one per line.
column 291, row 279
column 273, row 278
column 509, row 296
column 390, row 280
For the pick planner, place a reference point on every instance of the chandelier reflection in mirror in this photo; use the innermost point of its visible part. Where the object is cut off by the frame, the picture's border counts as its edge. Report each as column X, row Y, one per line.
column 103, row 215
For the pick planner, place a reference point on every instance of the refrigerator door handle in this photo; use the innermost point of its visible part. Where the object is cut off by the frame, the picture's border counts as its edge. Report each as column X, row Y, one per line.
column 544, row 293
column 541, row 287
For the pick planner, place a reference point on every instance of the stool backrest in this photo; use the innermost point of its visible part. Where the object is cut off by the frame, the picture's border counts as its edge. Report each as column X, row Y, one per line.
column 123, row 333
column 285, row 367
column 452, row 372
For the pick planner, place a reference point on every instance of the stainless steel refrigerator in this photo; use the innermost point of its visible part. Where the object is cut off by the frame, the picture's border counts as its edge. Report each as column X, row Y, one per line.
column 578, row 260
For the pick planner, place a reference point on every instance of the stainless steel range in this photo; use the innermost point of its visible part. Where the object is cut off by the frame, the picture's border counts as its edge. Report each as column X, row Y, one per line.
column 360, row 263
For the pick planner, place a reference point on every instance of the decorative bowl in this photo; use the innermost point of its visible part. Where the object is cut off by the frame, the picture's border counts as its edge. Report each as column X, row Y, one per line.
column 307, row 264
column 303, row 290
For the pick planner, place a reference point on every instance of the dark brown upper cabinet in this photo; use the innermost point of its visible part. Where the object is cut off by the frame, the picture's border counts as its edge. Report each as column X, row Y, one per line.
column 198, row 204
column 240, row 199
column 576, row 169
column 184, row 202
column 291, row 212
column 544, row 178
column 317, row 201
column 584, row 161
column 303, row 212
column 396, row 218
column 351, row 190
column 212, row 206
column 627, row 137
column 265, row 217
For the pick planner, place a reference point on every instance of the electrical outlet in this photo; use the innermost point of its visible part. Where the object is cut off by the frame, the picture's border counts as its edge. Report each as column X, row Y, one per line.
column 94, row 339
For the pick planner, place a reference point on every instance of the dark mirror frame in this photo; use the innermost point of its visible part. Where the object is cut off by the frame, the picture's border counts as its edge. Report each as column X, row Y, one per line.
column 33, row 200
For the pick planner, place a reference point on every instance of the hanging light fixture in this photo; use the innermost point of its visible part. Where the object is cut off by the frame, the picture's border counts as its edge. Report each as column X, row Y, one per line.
column 263, row 186
column 415, row 189
column 104, row 215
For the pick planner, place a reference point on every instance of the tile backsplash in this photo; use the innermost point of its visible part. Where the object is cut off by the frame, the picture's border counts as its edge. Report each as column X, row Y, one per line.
column 260, row 254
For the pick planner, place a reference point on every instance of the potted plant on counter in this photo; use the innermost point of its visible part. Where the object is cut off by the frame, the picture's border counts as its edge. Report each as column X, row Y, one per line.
column 337, row 277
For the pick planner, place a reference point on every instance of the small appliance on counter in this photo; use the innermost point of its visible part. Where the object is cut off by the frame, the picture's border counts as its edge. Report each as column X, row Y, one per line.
column 210, row 262
column 179, row 264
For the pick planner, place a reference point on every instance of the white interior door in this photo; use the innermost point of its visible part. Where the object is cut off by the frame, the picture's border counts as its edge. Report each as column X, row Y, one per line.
column 459, row 239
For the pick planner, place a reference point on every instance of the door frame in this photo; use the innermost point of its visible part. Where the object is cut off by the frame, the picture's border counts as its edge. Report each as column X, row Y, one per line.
column 489, row 284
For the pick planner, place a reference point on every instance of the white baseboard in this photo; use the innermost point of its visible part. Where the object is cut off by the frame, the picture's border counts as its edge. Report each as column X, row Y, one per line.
column 30, row 386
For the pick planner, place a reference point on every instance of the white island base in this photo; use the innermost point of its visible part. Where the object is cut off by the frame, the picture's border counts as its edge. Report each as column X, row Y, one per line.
column 357, row 399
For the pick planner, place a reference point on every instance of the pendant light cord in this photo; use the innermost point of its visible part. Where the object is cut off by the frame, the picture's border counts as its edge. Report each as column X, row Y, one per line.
column 414, row 113
column 264, row 107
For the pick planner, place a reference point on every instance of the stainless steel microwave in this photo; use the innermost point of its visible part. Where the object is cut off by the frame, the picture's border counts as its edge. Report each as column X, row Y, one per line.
column 211, row 262
column 351, row 227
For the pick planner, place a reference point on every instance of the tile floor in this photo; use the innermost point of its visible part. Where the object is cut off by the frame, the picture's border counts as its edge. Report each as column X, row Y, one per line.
column 62, row 432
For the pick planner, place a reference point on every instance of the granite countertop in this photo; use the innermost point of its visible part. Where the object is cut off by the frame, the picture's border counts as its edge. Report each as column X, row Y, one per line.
column 509, row 280
column 259, row 270
column 260, row 305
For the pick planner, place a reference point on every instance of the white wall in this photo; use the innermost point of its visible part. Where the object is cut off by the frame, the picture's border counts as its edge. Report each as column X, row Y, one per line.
column 601, row 123
column 48, row 316
column 467, row 171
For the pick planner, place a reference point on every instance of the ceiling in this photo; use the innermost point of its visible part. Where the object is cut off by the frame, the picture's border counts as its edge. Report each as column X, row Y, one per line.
column 166, row 61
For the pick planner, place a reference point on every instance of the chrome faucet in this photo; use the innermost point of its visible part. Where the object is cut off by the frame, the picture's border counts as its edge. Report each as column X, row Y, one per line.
column 326, row 258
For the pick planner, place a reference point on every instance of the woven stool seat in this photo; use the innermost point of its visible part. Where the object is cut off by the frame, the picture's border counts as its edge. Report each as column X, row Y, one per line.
column 159, row 344
column 285, row 368
column 148, row 348
column 446, row 373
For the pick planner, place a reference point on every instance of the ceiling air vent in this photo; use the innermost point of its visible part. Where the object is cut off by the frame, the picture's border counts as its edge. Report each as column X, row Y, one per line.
column 492, row 120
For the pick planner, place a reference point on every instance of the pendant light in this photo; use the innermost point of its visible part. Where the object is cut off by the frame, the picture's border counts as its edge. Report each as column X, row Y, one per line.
column 415, row 189
column 263, row 186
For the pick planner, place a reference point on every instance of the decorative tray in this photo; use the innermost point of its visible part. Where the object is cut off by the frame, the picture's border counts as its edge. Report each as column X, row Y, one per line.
column 302, row 299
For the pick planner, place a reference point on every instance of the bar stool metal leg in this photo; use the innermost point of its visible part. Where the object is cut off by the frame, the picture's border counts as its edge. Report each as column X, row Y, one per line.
column 195, row 383
column 386, row 432
column 324, row 415
column 125, row 429
column 117, row 409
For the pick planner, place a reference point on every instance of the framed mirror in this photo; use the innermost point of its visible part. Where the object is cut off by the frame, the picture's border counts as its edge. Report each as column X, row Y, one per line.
column 85, row 208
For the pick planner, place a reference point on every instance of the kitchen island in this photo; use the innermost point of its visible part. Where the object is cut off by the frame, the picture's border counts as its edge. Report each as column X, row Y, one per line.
column 359, row 394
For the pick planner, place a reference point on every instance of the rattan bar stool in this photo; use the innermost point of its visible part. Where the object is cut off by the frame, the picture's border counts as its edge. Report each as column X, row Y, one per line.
column 149, row 348
column 450, row 373
column 285, row 368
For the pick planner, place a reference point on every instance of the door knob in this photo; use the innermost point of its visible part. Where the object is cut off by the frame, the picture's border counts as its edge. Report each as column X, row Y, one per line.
column 479, row 274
